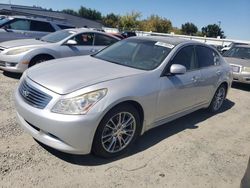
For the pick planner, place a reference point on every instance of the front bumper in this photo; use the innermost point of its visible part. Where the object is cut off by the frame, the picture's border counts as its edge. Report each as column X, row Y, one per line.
column 242, row 77
column 68, row 133
column 13, row 63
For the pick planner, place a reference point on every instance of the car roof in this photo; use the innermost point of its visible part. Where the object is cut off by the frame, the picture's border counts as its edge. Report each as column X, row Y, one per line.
column 92, row 30
column 39, row 19
column 166, row 39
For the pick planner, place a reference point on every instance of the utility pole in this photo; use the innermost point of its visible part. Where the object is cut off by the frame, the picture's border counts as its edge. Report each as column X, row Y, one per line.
column 219, row 22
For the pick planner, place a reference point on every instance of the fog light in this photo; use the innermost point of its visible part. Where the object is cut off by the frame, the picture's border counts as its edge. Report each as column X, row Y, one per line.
column 8, row 64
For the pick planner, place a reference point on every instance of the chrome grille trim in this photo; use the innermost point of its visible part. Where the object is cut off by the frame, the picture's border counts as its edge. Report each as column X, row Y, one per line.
column 34, row 96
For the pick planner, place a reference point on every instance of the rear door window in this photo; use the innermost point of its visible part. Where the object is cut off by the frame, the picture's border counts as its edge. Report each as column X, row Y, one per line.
column 103, row 40
column 41, row 26
column 206, row 56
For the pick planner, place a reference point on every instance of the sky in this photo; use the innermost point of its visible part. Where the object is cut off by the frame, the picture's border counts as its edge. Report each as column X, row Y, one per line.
column 234, row 15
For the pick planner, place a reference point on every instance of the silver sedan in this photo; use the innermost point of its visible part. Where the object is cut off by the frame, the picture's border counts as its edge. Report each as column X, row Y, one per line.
column 239, row 59
column 18, row 55
column 102, row 103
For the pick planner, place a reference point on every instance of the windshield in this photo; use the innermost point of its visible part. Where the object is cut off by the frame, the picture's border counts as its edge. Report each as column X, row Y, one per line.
column 57, row 36
column 238, row 52
column 136, row 53
column 3, row 20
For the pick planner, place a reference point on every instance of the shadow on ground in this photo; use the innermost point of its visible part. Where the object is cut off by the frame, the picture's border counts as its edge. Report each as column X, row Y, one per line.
column 12, row 75
column 146, row 141
column 241, row 86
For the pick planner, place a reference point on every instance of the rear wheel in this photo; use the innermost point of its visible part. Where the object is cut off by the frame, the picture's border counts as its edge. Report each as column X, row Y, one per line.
column 218, row 99
column 117, row 131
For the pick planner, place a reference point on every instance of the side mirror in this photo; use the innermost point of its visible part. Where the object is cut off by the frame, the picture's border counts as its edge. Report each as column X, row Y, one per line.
column 178, row 69
column 71, row 42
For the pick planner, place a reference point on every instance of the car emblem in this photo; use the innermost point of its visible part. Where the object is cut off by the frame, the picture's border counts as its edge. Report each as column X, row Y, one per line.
column 25, row 93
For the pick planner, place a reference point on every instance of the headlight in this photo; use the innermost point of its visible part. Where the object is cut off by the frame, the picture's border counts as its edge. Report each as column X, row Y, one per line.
column 17, row 51
column 246, row 69
column 80, row 104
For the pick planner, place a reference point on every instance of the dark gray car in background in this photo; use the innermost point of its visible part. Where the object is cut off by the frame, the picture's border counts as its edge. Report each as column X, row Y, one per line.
column 20, row 27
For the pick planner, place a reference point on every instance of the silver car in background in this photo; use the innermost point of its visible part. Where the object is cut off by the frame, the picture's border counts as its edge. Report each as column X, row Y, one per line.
column 18, row 55
column 239, row 59
column 103, row 102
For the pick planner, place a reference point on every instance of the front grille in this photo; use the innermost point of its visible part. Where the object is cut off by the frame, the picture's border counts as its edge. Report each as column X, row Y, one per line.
column 235, row 68
column 33, row 96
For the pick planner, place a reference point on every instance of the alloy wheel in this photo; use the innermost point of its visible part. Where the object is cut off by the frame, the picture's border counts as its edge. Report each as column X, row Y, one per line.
column 219, row 98
column 118, row 132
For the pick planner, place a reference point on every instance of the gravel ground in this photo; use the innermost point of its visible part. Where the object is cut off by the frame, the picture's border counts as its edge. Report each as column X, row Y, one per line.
column 198, row 150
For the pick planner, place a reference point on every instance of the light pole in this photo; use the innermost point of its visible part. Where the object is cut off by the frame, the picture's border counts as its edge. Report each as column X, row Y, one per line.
column 219, row 22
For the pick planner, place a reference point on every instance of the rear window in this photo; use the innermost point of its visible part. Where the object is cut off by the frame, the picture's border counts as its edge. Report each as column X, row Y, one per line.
column 41, row 26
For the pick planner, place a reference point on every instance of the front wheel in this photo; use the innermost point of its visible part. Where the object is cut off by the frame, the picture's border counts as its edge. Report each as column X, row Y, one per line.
column 117, row 131
column 218, row 99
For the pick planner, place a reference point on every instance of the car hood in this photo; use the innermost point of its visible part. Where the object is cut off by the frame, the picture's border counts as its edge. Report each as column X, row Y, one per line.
column 66, row 75
column 238, row 61
column 22, row 42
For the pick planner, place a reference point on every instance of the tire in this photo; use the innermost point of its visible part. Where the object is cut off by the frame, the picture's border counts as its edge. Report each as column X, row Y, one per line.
column 218, row 99
column 113, row 138
column 39, row 59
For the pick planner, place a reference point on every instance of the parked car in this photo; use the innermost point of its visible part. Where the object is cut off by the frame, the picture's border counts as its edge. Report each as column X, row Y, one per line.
column 127, row 34
column 20, row 27
column 233, row 44
column 103, row 102
column 18, row 55
column 239, row 59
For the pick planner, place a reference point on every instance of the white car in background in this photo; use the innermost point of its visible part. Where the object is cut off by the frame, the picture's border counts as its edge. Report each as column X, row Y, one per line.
column 18, row 55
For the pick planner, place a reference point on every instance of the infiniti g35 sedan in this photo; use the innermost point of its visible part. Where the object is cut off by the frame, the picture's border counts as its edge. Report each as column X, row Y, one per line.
column 103, row 102
column 18, row 55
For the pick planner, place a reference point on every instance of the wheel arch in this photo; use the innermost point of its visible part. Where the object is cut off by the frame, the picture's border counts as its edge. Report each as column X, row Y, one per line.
column 49, row 56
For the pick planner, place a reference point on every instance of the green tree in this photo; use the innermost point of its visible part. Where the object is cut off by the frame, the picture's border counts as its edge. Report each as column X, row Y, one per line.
column 189, row 28
column 130, row 21
column 89, row 13
column 176, row 31
column 213, row 30
column 156, row 24
column 111, row 20
column 70, row 11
